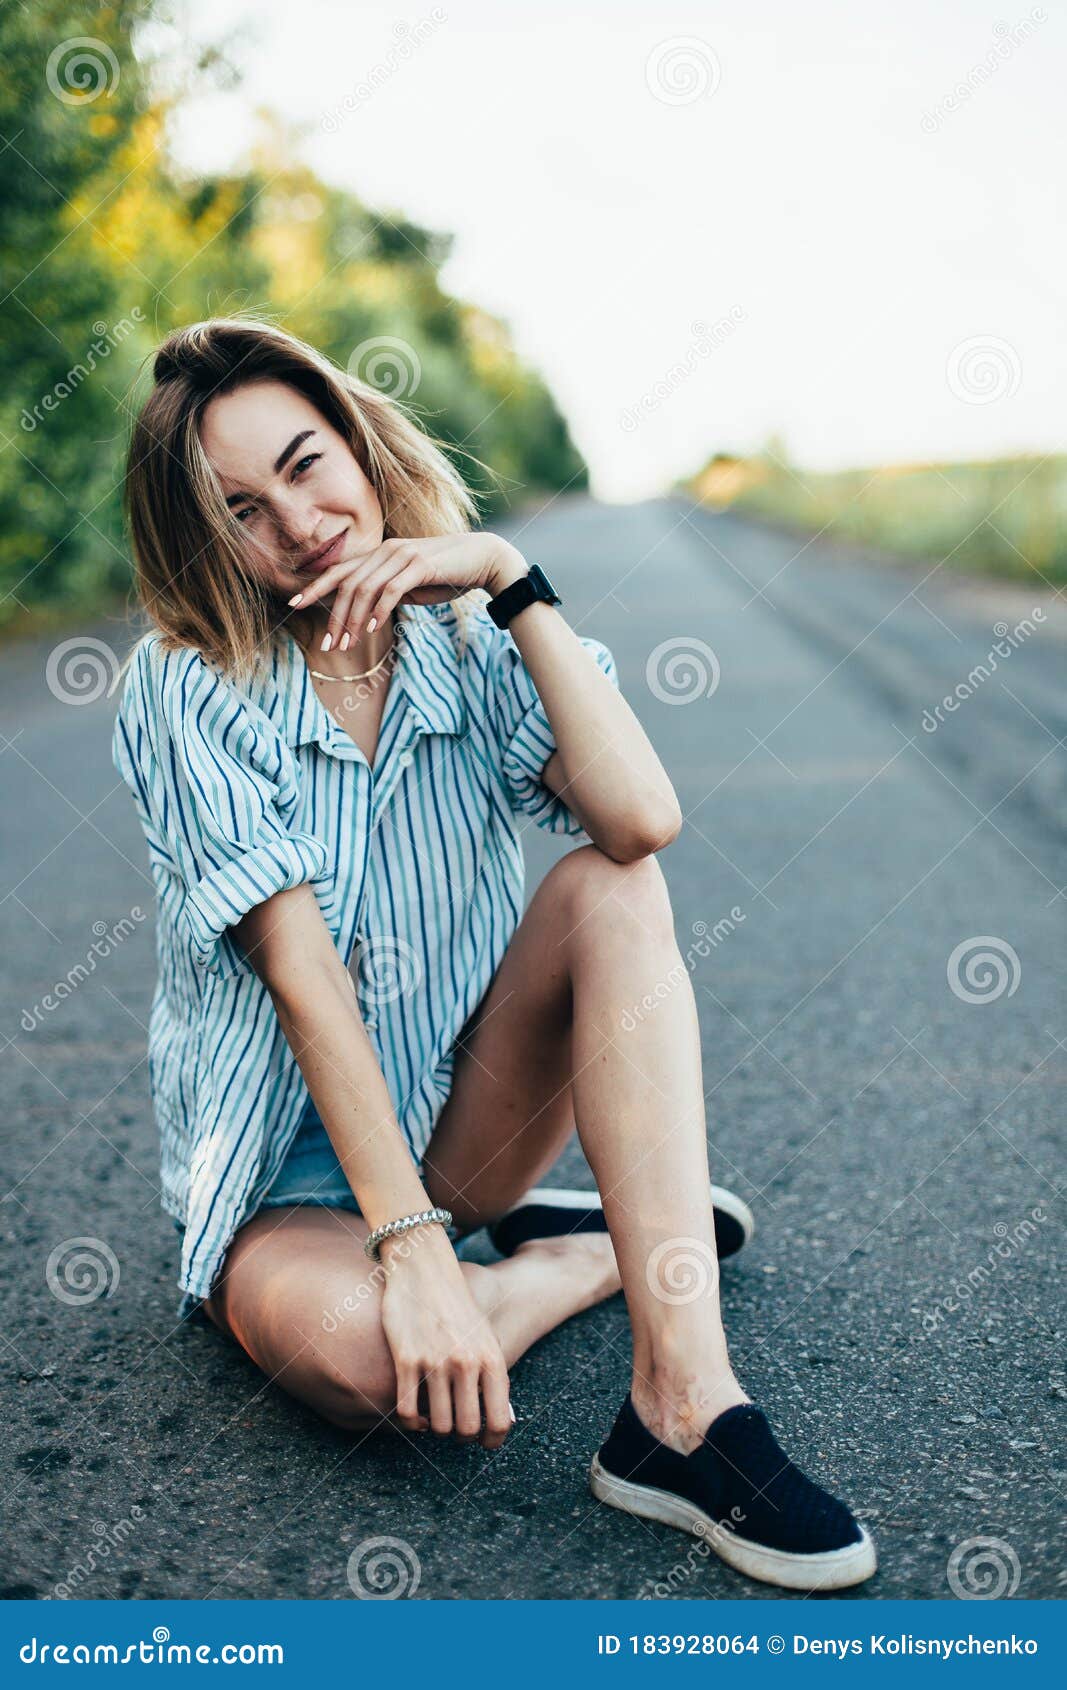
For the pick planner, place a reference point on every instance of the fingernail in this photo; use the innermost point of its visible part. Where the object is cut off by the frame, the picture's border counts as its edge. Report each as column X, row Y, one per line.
column 344, row 642
column 511, row 1411
column 296, row 598
column 372, row 624
column 326, row 643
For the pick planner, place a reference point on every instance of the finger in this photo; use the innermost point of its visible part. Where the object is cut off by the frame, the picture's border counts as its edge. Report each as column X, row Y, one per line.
column 332, row 577
column 338, row 624
column 370, row 588
column 415, row 574
column 407, row 1398
column 347, row 615
column 440, row 1402
column 496, row 1397
column 468, row 1406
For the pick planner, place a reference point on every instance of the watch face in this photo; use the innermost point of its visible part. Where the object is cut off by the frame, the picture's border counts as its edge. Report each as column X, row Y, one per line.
column 532, row 588
column 542, row 585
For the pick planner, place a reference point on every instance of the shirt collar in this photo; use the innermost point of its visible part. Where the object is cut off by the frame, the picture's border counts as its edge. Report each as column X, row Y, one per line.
column 426, row 672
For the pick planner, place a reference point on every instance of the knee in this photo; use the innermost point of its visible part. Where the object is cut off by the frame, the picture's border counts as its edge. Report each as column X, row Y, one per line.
column 352, row 1416
column 345, row 1394
column 598, row 892
column 353, row 1381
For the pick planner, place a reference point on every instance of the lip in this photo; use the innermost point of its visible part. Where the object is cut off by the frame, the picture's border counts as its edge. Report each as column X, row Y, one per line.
column 322, row 559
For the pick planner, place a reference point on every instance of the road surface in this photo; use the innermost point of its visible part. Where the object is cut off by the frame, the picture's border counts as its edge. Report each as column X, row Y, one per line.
column 897, row 1132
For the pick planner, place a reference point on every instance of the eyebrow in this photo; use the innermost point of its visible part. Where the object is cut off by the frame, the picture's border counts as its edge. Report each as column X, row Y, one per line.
column 279, row 464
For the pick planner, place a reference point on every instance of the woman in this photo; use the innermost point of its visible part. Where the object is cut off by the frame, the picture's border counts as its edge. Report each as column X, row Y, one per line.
column 329, row 734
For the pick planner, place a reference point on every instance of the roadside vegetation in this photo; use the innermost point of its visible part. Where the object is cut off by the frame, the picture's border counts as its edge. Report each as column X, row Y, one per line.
column 108, row 246
column 1005, row 517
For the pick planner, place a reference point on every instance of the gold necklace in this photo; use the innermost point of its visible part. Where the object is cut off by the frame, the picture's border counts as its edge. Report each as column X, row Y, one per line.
column 320, row 675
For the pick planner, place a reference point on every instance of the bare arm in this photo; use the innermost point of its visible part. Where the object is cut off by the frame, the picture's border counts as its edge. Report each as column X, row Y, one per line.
column 604, row 767
column 290, row 948
column 434, row 1330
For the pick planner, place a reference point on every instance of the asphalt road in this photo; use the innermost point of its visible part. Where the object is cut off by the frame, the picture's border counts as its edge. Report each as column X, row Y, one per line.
column 898, row 1313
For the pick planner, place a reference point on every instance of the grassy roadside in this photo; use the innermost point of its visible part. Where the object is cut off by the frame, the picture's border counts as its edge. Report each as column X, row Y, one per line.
column 1006, row 517
column 62, row 618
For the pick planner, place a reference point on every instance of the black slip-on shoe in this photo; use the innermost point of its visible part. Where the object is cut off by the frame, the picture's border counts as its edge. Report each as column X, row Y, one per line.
column 741, row 1494
column 548, row 1213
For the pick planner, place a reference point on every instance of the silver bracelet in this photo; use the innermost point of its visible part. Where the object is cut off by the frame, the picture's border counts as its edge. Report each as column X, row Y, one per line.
column 389, row 1229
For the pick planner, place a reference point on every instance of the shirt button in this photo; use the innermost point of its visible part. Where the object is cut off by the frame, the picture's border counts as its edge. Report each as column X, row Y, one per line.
column 405, row 758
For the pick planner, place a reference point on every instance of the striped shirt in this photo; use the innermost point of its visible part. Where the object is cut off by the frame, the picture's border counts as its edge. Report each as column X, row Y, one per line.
column 243, row 791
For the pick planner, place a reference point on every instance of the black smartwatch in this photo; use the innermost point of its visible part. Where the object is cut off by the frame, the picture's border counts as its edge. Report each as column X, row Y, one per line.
column 529, row 590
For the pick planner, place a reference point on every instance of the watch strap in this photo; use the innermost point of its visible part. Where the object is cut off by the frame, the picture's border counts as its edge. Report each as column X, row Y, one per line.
column 533, row 587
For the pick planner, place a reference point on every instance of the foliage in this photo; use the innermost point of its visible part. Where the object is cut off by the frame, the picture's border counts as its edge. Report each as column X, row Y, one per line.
column 108, row 246
column 1002, row 517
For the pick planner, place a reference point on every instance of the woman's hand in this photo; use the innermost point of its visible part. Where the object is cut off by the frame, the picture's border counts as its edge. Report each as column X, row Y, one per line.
column 437, row 1333
column 426, row 571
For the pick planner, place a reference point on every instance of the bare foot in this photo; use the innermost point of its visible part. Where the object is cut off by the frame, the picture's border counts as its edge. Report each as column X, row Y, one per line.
column 590, row 1259
column 544, row 1283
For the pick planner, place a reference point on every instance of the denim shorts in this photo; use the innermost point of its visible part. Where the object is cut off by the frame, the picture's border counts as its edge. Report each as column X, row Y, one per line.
column 310, row 1172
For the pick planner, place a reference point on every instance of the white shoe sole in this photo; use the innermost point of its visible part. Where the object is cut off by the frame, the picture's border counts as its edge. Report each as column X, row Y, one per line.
column 833, row 1570
column 727, row 1201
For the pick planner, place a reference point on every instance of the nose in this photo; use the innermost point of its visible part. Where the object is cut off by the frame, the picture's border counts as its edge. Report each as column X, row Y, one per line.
column 296, row 517
column 297, row 523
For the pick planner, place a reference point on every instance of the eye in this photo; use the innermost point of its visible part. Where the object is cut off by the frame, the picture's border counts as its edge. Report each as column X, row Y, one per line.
column 298, row 469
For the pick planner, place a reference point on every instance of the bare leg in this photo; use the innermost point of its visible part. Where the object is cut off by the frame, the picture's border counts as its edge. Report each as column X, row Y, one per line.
column 639, row 1104
column 555, row 1046
column 299, row 1297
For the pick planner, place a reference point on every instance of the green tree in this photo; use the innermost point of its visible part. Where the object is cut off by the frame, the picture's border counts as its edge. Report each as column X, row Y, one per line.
column 108, row 245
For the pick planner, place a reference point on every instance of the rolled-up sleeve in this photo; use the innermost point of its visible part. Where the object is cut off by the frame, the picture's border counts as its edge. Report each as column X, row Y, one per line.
column 271, row 862
column 526, row 738
column 208, row 769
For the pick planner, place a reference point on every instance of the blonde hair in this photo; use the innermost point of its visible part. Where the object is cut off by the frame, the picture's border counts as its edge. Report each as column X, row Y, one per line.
column 191, row 573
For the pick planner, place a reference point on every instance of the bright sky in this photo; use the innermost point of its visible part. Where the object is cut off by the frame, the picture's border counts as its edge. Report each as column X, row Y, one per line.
column 862, row 204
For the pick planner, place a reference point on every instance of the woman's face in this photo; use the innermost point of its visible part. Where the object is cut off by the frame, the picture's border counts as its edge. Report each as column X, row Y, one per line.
column 291, row 482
